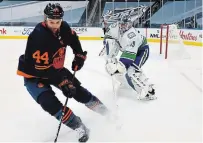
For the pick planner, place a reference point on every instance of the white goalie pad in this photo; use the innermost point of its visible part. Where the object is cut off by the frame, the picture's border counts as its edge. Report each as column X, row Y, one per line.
column 140, row 82
column 110, row 49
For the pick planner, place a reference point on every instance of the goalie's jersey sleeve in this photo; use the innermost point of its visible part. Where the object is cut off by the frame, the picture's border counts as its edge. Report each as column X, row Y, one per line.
column 45, row 53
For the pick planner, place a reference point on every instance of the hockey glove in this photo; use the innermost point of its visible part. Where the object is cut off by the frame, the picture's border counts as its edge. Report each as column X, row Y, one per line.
column 68, row 89
column 114, row 66
column 78, row 61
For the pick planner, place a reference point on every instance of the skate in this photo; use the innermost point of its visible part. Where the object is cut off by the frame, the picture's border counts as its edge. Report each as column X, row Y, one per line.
column 151, row 95
column 83, row 133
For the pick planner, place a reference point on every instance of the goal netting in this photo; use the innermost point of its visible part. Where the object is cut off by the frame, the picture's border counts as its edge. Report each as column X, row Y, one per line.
column 171, row 44
column 187, row 60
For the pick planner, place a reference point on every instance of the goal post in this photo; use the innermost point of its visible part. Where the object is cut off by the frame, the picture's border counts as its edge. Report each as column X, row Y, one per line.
column 170, row 42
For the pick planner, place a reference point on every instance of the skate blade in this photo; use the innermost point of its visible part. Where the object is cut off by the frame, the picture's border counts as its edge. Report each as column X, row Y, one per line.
column 147, row 98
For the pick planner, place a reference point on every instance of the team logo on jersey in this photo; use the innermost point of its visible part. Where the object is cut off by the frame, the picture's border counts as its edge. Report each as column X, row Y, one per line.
column 59, row 58
column 131, row 35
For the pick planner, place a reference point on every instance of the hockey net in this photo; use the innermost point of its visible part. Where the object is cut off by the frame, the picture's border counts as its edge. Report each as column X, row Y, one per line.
column 185, row 59
column 171, row 44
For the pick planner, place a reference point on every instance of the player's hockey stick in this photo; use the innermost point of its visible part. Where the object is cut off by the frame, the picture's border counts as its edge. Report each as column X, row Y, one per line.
column 114, row 91
column 102, row 51
column 118, row 125
column 63, row 112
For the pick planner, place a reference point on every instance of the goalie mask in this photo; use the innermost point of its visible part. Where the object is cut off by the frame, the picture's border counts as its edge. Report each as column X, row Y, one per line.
column 125, row 23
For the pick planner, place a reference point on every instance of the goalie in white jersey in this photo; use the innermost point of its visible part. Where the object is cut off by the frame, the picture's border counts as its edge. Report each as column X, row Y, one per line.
column 121, row 36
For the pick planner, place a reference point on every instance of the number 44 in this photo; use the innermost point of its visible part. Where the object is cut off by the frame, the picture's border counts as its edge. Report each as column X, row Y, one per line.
column 44, row 57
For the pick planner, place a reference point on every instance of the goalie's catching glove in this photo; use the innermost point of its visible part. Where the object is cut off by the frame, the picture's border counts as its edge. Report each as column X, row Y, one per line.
column 113, row 66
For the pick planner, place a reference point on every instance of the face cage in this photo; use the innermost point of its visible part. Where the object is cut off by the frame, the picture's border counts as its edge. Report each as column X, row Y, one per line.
column 125, row 26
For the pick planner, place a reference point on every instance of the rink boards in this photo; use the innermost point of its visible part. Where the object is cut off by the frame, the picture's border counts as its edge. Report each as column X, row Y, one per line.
column 190, row 37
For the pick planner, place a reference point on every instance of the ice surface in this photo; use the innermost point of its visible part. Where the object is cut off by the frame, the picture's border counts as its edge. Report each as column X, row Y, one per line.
column 174, row 117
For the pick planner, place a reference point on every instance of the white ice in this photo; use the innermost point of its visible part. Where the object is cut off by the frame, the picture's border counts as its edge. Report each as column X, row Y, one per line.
column 176, row 116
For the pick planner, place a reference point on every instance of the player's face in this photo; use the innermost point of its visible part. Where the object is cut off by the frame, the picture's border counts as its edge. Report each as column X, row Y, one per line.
column 125, row 26
column 53, row 24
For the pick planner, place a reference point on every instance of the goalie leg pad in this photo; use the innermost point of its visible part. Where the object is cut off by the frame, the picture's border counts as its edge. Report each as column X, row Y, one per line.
column 134, row 83
column 136, row 80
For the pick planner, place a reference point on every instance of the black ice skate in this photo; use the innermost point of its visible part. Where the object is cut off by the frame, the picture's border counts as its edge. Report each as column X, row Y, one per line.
column 151, row 95
column 83, row 133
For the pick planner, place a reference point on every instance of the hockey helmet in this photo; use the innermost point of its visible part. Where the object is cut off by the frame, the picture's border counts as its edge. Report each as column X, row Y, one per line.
column 54, row 11
column 125, row 22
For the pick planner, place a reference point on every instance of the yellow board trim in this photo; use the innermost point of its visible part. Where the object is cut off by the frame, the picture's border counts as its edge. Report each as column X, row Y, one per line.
column 191, row 43
column 13, row 37
column 25, row 37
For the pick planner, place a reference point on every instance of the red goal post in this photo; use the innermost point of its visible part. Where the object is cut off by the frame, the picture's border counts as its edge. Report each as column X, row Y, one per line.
column 169, row 36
